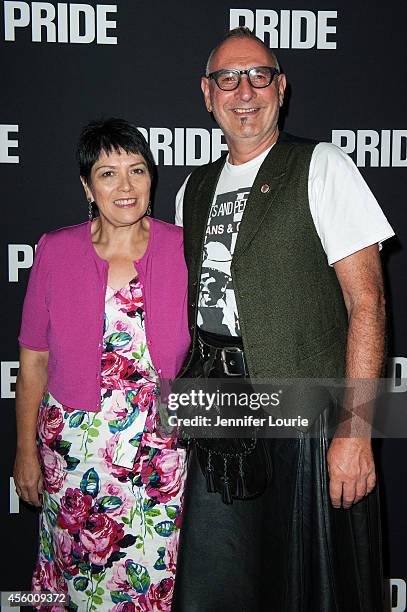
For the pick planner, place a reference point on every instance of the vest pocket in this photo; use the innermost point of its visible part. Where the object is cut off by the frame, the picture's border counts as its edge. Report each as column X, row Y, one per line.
column 319, row 344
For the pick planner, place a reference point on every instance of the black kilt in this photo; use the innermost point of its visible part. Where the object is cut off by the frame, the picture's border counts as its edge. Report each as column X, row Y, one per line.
column 287, row 550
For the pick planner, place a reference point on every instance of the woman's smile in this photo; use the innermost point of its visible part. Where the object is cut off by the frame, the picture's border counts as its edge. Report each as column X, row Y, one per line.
column 125, row 202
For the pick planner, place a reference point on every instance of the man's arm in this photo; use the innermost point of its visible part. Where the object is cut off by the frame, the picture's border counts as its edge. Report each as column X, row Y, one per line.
column 350, row 459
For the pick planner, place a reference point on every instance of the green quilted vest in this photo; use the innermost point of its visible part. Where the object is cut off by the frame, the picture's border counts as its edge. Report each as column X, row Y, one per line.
column 293, row 318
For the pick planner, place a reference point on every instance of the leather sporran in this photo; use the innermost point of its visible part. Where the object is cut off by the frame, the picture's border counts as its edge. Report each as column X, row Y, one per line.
column 235, row 468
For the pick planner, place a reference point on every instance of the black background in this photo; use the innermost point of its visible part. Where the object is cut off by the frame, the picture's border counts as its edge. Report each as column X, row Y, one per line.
column 152, row 78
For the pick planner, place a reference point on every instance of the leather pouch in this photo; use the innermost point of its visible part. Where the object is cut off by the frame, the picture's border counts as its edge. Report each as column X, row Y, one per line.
column 235, row 468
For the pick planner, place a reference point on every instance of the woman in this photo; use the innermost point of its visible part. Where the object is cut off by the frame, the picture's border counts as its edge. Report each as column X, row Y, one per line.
column 104, row 321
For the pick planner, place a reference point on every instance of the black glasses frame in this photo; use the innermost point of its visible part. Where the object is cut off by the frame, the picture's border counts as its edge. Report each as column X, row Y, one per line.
column 215, row 75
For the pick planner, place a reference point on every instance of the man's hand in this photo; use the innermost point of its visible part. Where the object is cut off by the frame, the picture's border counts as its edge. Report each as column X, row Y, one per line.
column 350, row 460
column 351, row 470
column 28, row 478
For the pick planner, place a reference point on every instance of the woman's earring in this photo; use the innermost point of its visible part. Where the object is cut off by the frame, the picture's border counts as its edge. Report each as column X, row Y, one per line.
column 90, row 209
column 148, row 211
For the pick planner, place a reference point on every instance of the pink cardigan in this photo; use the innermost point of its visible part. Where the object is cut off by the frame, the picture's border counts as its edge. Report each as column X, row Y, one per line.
column 64, row 308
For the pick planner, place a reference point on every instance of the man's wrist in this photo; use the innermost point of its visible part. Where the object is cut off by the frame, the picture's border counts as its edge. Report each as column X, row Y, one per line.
column 356, row 440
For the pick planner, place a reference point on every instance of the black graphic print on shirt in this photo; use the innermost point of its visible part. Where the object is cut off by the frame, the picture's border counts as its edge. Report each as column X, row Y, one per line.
column 217, row 311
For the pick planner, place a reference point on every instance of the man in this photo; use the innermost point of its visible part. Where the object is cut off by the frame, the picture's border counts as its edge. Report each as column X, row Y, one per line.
column 303, row 230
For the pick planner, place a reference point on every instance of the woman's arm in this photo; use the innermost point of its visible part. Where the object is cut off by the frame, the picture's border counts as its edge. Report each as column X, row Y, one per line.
column 31, row 383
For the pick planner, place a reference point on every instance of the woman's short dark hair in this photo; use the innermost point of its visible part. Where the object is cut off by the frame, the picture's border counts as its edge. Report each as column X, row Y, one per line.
column 111, row 135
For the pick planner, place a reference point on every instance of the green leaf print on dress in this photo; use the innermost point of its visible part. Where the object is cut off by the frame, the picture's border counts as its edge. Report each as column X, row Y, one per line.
column 90, row 483
column 138, row 576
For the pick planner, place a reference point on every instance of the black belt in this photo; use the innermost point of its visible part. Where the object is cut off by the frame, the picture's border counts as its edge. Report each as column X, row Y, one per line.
column 226, row 360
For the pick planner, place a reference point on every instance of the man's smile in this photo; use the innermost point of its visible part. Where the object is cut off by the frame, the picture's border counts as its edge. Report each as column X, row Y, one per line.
column 245, row 111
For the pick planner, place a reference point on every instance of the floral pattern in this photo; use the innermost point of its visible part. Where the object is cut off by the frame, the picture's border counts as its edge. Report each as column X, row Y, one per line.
column 113, row 486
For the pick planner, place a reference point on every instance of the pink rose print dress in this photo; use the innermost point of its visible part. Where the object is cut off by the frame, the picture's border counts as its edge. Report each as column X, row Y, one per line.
column 112, row 502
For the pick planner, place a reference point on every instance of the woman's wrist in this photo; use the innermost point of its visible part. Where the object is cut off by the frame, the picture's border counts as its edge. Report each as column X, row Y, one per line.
column 27, row 448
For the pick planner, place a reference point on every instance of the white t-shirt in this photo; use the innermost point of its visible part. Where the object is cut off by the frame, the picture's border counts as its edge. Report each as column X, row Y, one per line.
column 346, row 215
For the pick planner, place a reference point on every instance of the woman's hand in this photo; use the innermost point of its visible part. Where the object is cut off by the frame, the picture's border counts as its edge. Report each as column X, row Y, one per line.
column 27, row 477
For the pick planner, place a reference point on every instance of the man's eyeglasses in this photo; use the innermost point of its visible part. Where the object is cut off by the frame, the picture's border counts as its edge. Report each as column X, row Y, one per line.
column 229, row 78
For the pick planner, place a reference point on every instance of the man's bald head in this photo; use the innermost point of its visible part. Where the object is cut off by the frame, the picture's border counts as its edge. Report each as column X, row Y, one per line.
column 236, row 33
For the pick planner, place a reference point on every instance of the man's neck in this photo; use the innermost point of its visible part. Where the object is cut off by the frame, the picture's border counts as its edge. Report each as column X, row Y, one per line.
column 242, row 151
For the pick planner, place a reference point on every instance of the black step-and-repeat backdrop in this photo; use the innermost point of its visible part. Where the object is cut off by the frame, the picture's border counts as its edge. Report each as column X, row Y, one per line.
column 63, row 64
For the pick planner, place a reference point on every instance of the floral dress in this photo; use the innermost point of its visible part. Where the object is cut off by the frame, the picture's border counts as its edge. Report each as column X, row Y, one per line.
column 113, row 486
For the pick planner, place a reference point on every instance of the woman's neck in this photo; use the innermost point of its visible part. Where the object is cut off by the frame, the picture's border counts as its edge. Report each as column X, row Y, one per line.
column 128, row 242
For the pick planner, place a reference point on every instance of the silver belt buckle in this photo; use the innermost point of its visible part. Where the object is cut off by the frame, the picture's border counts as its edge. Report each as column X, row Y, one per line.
column 237, row 350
